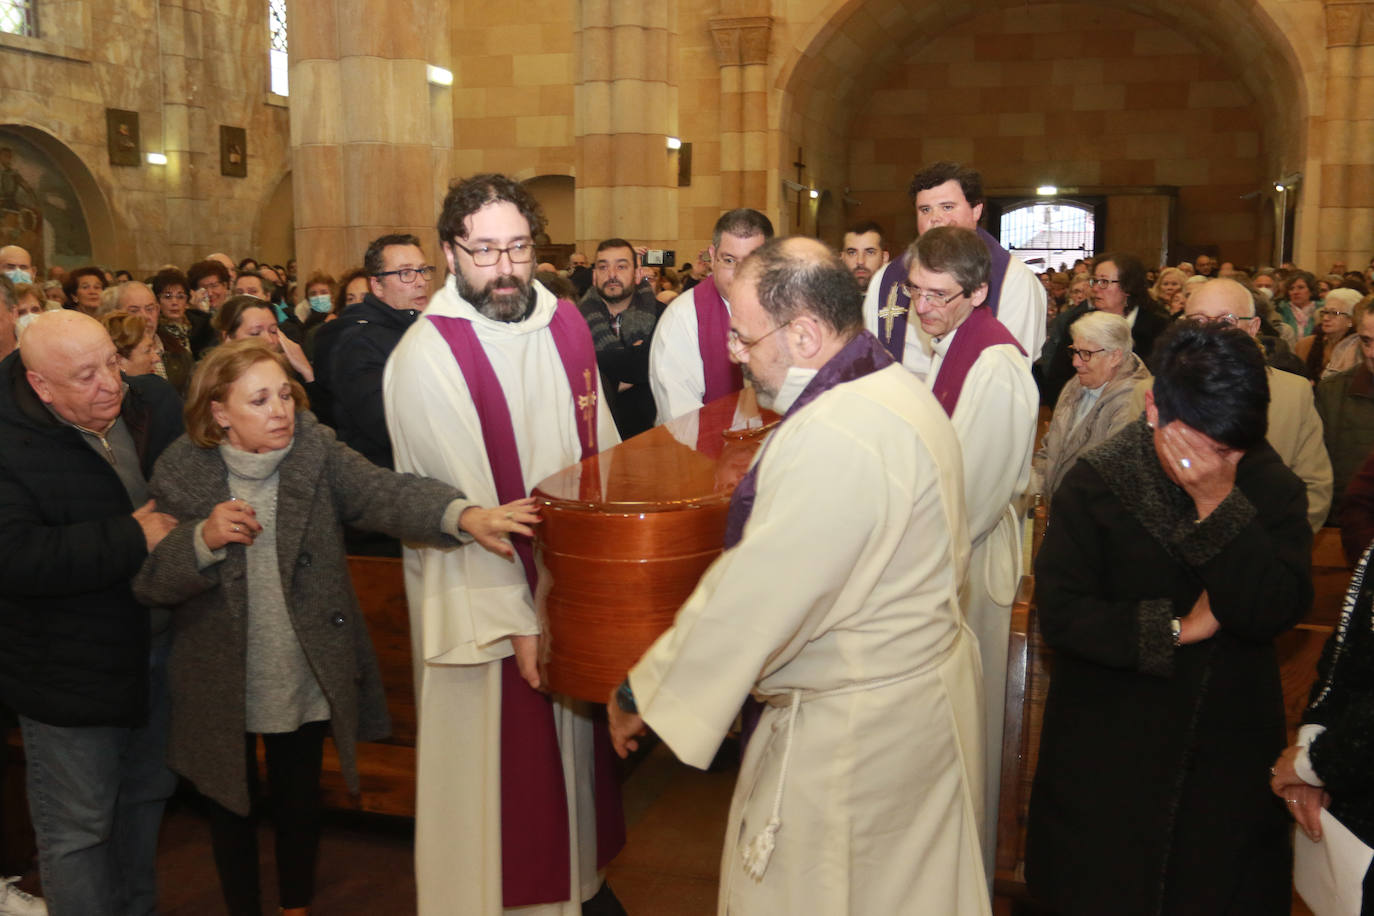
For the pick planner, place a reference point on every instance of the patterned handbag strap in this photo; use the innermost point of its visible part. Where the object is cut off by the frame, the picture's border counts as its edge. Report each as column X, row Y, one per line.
column 1352, row 595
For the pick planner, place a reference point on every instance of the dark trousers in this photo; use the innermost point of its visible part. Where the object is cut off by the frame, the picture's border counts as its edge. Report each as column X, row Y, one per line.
column 293, row 786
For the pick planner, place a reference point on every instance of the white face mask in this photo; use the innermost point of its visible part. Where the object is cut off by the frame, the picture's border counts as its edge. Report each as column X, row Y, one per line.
column 792, row 386
column 19, row 275
column 23, row 322
column 320, row 303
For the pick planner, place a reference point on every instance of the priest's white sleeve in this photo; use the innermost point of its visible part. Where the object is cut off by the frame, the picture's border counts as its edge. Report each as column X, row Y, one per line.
column 758, row 605
column 1023, row 307
column 676, row 376
column 468, row 600
column 995, row 421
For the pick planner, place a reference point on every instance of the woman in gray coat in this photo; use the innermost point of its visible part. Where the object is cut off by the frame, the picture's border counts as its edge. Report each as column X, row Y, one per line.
column 267, row 636
column 1096, row 403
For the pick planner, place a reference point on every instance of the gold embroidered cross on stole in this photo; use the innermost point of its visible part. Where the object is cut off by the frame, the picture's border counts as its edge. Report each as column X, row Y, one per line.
column 587, row 404
column 890, row 313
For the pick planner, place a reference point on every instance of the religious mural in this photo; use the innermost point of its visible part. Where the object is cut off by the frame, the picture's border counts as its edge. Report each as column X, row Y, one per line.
column 39, row 209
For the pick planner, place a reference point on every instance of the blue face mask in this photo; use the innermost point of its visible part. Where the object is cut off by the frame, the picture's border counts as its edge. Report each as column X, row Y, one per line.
column 19, row 275
column 320, row 303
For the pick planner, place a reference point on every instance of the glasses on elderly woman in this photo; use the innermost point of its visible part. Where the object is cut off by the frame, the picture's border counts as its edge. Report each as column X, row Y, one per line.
column 1332, row 313
column 1085, row 355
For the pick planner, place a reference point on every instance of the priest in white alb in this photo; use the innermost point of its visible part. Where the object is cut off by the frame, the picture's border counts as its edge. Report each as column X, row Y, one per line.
column 980, row 376
column 950, row 194
column 689, row 364
column 493, row 389
column 836, row 604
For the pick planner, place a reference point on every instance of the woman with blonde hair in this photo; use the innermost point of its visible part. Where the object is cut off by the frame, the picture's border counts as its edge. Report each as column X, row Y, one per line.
column 1170, row 281
column 267, row 635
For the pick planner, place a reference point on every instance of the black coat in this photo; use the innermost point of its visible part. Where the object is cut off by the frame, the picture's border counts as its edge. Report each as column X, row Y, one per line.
column 350, row 357
column 1342, row 700
column 1151, row 792
column 73, row 641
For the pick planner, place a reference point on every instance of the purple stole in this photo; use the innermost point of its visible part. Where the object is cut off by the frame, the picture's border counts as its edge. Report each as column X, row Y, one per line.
column 861, row 356
column 891, row 295
column 979, row 331
column 722, row 374
column 535, row 859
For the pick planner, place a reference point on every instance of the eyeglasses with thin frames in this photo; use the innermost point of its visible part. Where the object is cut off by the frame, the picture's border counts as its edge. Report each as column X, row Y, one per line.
column 1227, row 320
column 1102, row 282
column 929, row 296
column 488, row 255
column 407, row 274
column 735, row 342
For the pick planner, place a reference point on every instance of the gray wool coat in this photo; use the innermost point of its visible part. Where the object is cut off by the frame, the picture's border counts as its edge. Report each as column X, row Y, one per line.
column 323, row 485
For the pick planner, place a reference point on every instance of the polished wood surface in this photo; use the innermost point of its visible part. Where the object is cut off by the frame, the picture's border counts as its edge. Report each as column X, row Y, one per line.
column 626, row 535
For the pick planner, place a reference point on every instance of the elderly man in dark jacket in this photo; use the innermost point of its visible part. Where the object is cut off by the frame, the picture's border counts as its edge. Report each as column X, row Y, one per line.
column 78, row 659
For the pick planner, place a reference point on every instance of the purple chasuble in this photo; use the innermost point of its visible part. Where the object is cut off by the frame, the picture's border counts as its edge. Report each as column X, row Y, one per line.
column 721, row 373
column 890, row 293
column 535, row 860
column 978, row 332
column 861, row 356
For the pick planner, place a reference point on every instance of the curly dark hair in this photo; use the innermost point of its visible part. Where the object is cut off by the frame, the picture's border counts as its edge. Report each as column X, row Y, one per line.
column 468, row 195
column 167, row 278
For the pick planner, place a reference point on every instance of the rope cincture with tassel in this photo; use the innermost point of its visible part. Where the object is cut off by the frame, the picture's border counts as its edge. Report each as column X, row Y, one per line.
column 758, row 851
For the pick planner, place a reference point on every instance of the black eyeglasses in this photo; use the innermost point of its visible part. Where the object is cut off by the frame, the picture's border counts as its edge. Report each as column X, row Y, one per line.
column 1102, row 281
column 407, row 274
column 489, row 255
column 1085, row 355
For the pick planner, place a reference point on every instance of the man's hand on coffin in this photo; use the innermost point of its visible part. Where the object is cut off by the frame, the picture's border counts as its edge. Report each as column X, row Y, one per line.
column 625, row 727
column 527, row 659
column 492, row 528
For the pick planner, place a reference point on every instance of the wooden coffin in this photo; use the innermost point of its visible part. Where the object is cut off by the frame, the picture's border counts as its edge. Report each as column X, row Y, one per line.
column 627, row 533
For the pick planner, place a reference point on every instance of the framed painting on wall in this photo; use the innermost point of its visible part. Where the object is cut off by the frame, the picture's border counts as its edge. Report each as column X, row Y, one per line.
column 121, row 133
column 233, row 151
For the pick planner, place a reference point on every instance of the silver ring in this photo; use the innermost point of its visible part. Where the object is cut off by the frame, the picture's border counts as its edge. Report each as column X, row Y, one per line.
column 236, row 529
column 1291, row 801
column 1185, row 463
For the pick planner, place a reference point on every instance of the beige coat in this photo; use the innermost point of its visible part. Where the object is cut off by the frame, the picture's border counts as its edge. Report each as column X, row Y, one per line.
column 1066, row 440
column 844, row 591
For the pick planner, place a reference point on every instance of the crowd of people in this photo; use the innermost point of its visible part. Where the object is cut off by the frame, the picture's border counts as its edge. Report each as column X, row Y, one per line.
column 187, row 460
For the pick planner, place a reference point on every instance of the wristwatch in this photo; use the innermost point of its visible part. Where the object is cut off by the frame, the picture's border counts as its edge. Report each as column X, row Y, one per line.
column 625, row 697
column 1176, row 627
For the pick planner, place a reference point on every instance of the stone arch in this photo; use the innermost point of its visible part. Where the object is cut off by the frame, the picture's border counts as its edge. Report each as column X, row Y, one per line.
column 824, row 71
column 110, row 245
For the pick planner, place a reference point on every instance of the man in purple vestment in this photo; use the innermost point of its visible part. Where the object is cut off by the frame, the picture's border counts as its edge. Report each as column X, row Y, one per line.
column 949, row 194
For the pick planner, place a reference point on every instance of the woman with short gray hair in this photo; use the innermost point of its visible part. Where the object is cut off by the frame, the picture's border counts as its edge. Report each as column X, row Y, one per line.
column 1095, row 403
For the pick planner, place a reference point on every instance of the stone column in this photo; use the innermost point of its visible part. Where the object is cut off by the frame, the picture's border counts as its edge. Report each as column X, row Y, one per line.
column 741, row 44
column 1346, row 195
column 369, row 135
column 186, row 131
column 625, row 108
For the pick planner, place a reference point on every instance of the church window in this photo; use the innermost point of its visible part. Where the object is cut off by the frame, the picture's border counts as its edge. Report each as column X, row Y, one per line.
column 19, row 17
column 1045, row 235
column 276, row 54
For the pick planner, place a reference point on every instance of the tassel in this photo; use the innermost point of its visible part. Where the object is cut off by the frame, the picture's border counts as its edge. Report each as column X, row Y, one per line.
column 759, row 850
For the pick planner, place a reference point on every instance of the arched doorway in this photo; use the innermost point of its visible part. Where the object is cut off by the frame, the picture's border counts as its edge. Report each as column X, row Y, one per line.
column 1048, row 234
column 50, row 203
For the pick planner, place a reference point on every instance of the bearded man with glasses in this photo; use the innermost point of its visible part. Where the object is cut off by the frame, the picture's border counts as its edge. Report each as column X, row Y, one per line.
column 494, row 389
column 979, row 374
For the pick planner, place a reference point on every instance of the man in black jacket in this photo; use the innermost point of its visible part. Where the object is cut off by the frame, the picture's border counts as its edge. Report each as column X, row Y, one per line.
column 622, row 316
column 79, row 661
column 351, row 353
